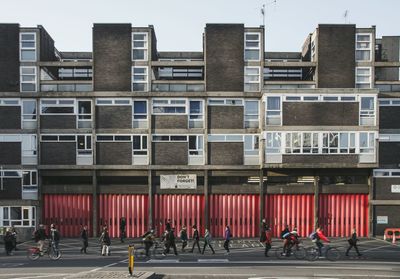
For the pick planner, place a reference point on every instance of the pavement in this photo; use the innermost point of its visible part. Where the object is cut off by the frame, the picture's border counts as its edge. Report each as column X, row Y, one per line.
column 381, row 259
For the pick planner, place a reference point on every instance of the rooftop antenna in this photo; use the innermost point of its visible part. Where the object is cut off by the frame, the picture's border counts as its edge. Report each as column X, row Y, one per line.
column 263, row 10
column 345, row 16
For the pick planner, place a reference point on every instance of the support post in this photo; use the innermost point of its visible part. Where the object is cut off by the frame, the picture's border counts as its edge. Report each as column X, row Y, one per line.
column 206, row 201
column 151, row 200
column 261, row 201
column 370, row 205
column 316, row 202
column 95, row 228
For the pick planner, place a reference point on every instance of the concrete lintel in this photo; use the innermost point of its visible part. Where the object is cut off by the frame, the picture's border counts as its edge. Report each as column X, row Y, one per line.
column 319, row 166
column 321, row 91
column 235, row 173
column 65, row 63
column 322, row 128
column 122, row 173
column 385, row 202
column 394, row 64
column 19, row 202
column 195, row 63
column 62, row 172
column 299, row 64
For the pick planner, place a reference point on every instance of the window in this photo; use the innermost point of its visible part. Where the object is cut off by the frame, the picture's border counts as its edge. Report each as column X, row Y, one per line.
column 28, row 79
column 196, row 114
column 169, row 106
column 330, row 142
column 273, row 142
column 29, row 145
column 367, row 111
column 84, row 114
column 251, row 79
column 20, row 216
column 252, row 46
column 84, row 145
column 57, row 106
column 171, row 138
column 139, row 78
column 113, row 102
column 29, row 181
column 273, row 116
column 367, row 142
column 251, row 114
column 225, row 102
column 110, row 138
column 225, row 138
column 169, row 73
column 363, row 47
column 139, row 145
column 251, row 145
column 347, row 143
column 363, row 77
column 58, row 138
column 196, row 145
column 139, row 46
column 27, row 47
column 139, row 114
column 29, row 110
column 310, row 142
column 9, row 102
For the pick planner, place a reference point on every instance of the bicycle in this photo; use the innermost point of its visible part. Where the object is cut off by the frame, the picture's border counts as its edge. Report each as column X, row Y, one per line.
column 156, row 251
column 33, row 253
column 298, row 251
column 330, row 253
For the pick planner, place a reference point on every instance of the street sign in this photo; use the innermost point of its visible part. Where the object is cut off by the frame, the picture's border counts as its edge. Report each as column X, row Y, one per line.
column 382, row 220
column 395, row 188
column 178, row 181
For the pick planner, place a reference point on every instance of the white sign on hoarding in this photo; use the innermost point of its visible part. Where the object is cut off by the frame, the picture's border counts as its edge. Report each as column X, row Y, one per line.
column 382, row 220
column 178, row 181
column 395, row 188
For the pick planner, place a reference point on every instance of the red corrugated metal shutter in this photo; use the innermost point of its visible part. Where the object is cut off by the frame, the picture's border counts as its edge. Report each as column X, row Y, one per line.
column 68, row 212
column 293, row 210
column 240, row 212
column 340, row 213
column 134, row 208
column 183, row 210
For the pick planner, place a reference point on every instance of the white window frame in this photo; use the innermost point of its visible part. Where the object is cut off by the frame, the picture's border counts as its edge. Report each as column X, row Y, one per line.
column 145, row 81
column 113, row 138
column 196, row 117
column 248, row 82
column 389, row 102
column 254, row 151
column 33, row 178
column 369, row 148
column 34, row 119
column 248, row 116
column 168, row 138
column 34, row 82
column 364, row 48
column 225, row 102
column 58, row 138
column 275, row 115
column 58, row 103
column 383, row 173
column 113, row 102
column 225, row 138
column 136, row 152
column 252, row 47
column 273, row 143
column 199, row 146
column 366, row 114
column 21, row 48
column 170, row 102
column 145, row 48
column 10, row 102
column 31, row 220
column 86, row 151
column 140, row 122
column 360, row 83
column 84, row 117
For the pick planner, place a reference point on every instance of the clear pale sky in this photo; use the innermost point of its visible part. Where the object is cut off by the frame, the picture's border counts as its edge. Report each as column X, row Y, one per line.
column 179, row 24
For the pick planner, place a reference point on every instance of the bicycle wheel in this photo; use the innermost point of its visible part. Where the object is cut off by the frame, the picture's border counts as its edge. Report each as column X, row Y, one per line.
column 312, row 254
column 300, row 253
column 332, row 254
column 54, row 254
column 140, row 253
column 33, row 254
column 279, row 253
column 158, row 253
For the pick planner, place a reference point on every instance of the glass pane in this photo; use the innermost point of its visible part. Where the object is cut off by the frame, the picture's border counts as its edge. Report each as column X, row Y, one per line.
column 122, row 138
column 27, row 87
column 248, row 144
column 367, row 103
column 57, row 110
column 84, row 107
column 138, row 54
column 252, row 37
column 251, row 55
column 28, row 44
column 26, row 214
column 363, row 140
column 139, row 107
column 306, row 139
column 192, row 142
column 28, row 55
column 29, row 107
column 344, row 140
column 26, row 180
column 136, row 142
column 6, row 213
column 251, row 107
column 195, row 107
column 16, row 213
column 139, row 87
column 273, row 103
column 34, row 178
column 27, row 37
column 144, row 142
column 81, row 142
column 139, row 37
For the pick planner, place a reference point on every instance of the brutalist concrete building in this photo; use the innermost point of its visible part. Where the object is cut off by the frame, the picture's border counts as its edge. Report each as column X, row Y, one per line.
column 226, row 136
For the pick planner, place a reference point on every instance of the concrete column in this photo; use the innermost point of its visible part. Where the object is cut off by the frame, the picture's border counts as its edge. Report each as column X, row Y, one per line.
column 316, row 201
column 151, row 200
column 262, row 192
column 95, row 227
column 370, row 205
column 206, row 201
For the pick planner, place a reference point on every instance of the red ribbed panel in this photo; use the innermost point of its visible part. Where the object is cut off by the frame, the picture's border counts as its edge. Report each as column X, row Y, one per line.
column 68, row 212
column 183, row 210
column 133, row 207
column 240, row 212
column 293, row 210
column 340, row 213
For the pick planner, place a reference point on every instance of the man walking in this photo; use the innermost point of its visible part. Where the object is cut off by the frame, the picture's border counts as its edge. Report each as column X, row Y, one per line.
column 8, row 244
column 207, row 241
column 227, row 237
column 268, row 240
column 85, row 238
column 184, row 237
column 105, row 242
column 54, row 236
column 196, row 239
column 353, row 243
column 170, row 242
column 122, row 229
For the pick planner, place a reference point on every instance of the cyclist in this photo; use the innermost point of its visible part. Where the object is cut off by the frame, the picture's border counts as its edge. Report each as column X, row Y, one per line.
column 40, row 237
column 317, row 237
column 148, row 239
column 284, row 235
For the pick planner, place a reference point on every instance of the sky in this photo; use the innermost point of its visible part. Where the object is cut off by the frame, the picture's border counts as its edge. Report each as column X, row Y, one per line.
column 179, row 24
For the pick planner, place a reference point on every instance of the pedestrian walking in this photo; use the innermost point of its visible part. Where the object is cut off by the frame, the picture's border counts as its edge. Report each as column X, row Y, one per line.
column 184, row 237
column 148, row 239
column 196, row 238
column 170, row 242
column 268, row 240
column 54, row 236
column 122, row 229
column 227, row 237
column 263, row 230
column 40, row 236
column 14, row 238
column 353, row 243
column 168, row 225
column 85, row 239
column 105, row 242
column 8, row 242
column 207, row 241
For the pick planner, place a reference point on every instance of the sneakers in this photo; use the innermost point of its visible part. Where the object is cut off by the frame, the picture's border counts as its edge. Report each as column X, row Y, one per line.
column 163, row 254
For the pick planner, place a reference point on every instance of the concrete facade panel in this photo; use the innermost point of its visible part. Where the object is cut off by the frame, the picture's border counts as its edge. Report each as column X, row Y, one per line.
column 58, row 153
column 389, row 117
column 392, row 213
column 12, row 188
column 389, row 154
column 114, row 153
column 10, row 117
column 9, row 57
column 383, row 188
column 170, row 153
column 169, row 121
column 114, row 117
column 58, row 122
column 10, row 153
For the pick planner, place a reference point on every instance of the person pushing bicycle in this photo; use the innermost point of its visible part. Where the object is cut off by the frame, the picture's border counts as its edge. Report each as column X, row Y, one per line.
column 318, row 237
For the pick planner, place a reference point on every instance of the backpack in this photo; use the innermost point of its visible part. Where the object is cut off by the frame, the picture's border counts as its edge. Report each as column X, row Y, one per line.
column 313, row 236
column 36, row 236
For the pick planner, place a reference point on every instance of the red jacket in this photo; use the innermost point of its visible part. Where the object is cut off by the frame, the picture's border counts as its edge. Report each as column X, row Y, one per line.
column 268, row 236
column 322, row 236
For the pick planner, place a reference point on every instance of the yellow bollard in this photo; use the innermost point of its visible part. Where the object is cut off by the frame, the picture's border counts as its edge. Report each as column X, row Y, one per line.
column 131, row 258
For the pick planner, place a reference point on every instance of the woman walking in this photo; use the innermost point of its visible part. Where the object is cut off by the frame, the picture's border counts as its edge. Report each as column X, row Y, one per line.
column 207, row 241
column 227, row 237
